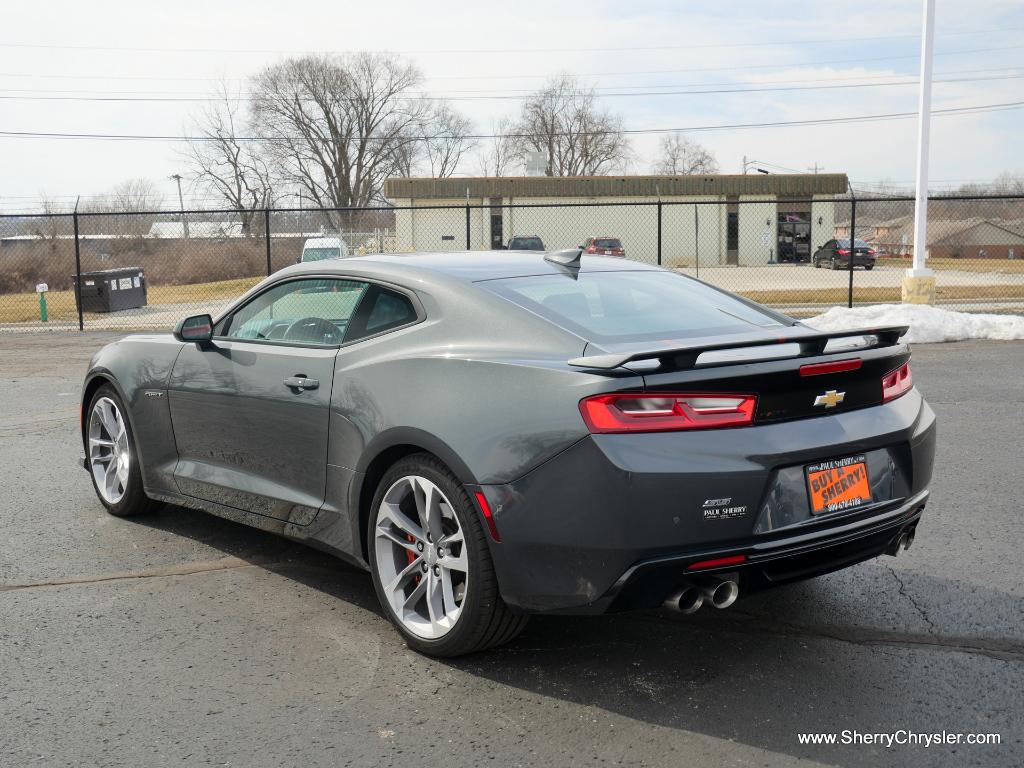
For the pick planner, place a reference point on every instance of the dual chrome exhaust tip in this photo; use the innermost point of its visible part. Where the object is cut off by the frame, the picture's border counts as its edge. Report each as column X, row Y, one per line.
column 721, row 593
column 903, row 542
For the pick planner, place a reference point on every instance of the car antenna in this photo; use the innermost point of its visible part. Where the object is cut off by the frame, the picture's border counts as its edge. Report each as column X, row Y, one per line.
column 570, row 257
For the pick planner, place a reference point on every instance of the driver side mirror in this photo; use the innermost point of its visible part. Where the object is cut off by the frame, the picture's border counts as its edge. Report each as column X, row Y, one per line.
column 197, row 328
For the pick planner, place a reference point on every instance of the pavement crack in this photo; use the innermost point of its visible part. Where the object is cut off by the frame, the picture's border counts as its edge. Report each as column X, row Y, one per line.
column 913, row 601
column 180, row 569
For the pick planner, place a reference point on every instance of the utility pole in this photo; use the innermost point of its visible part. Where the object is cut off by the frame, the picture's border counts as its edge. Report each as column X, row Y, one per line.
column 181, row 203
column 919, row 283
column 815, row 168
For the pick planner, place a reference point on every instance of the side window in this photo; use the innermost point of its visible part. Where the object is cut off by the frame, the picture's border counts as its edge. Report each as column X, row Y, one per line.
column 383, row 310
column 312, row 311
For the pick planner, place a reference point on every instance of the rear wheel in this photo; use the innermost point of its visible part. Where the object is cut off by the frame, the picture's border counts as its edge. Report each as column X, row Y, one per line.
column 430, row 564
column 112, row 458
column 836, row 264
column 869, row 267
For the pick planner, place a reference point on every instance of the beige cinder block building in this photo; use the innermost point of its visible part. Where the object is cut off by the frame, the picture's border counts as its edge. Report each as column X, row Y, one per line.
column 725, row 219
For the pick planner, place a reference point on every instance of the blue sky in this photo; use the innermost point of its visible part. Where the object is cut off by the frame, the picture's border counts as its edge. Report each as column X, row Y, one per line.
column 501, row 50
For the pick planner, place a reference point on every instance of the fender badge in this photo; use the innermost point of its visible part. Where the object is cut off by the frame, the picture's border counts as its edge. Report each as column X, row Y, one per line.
column 830, row 399
column 153, row 393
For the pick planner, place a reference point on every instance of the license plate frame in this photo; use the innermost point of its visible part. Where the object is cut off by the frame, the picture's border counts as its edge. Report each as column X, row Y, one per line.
column 838, row 485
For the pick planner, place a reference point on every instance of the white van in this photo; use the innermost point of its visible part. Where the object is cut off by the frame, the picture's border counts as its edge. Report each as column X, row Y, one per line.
column 320, row 248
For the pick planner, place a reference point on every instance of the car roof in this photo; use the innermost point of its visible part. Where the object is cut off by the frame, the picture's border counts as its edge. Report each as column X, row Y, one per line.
column 330, row 242
column 464, row 266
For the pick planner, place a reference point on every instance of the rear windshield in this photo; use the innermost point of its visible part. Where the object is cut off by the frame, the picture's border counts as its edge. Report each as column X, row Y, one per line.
column 608, row 242
column 846, row 243
column 631, row 306
column 526, row 244
column 319, row 254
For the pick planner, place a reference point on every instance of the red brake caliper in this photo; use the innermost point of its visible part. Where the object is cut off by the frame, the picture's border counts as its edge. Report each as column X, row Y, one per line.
column 411, row 556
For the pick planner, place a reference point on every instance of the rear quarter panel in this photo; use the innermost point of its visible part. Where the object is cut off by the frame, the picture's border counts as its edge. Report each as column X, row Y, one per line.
column 484, row 378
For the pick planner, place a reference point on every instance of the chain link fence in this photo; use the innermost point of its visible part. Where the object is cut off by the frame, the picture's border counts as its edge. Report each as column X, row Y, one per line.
column 126, row 271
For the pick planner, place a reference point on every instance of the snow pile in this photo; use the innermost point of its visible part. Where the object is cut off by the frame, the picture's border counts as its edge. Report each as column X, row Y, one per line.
column 927, row 323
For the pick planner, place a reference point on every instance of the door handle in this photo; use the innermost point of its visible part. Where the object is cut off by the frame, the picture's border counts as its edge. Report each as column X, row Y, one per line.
column 301, row 383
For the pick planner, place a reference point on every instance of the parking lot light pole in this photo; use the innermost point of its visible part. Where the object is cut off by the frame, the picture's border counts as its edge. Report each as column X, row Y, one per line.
column 919, row 282
column 181, row 202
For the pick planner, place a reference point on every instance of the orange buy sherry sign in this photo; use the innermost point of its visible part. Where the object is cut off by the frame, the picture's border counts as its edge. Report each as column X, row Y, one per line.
column 838, row 484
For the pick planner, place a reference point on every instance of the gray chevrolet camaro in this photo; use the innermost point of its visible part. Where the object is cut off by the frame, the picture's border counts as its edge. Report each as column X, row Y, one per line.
column 499, row 434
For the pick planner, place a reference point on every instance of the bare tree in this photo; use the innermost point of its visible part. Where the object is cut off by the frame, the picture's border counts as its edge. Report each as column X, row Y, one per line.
column 1009, row 183
column 336, row 126
column 447, row 137
column 135, row 195
column 679, row 156
column 126, row 202
column 231, row 168
column 496, row 154
column 579, row 138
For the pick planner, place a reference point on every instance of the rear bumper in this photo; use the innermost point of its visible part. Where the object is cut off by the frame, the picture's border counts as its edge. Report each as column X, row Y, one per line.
column 768, row 563
column 612, row 522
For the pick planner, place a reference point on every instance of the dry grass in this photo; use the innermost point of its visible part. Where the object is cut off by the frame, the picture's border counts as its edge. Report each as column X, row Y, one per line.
column 989, row 266
column 24, row 307
column 881, row 294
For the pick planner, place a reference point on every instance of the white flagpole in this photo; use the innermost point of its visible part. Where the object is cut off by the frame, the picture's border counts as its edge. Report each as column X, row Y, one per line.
column 923, row 120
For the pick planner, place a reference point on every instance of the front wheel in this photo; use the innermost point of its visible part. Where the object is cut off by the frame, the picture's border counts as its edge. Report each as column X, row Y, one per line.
column 113, row 461
column 430, row 564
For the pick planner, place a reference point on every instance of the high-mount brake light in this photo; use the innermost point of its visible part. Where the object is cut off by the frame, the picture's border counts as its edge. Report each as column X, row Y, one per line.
column 896, row 383
column 818, row 369
column 666, row 412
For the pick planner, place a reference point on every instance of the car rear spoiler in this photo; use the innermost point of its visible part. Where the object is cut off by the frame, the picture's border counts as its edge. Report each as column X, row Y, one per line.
column 685, row 356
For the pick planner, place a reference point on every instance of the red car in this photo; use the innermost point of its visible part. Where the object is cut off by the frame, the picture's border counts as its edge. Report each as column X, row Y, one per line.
column 604, row 246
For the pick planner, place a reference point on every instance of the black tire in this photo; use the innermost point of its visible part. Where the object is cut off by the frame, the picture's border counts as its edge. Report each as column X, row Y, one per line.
column 134, row 501
column 869, row 267
column 485, row 621
column 817, row 263
column 836, row 264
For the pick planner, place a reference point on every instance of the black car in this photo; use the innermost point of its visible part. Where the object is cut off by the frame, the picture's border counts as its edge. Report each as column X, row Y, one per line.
column 525, row 243
column 836, row 254
column 523, row 433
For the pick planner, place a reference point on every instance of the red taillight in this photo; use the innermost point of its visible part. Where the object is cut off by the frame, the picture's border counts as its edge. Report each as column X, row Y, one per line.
column 666, row 412
column 896, row 383
column 843, row 252
column 871, row 251
column 817, row 369
column 718, row 562
column 488, row 517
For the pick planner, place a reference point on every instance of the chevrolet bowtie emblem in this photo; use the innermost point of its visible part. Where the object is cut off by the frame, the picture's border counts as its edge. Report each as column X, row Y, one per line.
column 830, row 399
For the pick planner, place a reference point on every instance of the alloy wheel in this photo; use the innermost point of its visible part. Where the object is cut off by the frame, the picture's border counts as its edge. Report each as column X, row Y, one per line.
column 421, row 557
column 109, row 452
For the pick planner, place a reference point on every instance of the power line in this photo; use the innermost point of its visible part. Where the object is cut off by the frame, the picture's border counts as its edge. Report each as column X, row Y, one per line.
column 498, row 97
column 481, row 51
column 619, row 73
column 975, row 109
column 31, row 75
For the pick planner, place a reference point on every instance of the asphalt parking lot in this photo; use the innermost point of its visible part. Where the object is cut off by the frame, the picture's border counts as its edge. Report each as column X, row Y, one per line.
column 183, row 639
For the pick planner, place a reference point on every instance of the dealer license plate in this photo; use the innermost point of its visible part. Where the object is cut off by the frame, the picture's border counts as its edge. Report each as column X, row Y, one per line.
column 838, row 484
